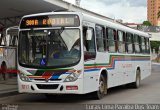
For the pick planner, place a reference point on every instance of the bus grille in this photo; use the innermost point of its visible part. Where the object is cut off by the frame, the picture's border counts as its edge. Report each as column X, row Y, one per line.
column 44, row 86
column 48, row 80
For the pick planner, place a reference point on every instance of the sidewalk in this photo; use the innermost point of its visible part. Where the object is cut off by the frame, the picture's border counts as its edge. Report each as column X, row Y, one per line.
column 155, row 63
column 8, row 87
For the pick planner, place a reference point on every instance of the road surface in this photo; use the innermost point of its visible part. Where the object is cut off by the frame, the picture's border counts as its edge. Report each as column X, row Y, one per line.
column 148, row 93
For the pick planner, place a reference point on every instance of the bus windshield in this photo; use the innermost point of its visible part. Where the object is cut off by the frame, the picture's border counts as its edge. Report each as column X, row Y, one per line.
column 49, row 48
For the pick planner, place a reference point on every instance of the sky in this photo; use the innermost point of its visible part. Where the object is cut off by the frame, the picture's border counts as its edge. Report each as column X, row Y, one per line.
column 131, row 11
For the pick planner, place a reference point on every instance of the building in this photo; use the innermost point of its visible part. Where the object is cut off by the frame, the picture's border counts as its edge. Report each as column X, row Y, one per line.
column 152, row 11
column 154, row 31
column 78, row 2
column 133, row 25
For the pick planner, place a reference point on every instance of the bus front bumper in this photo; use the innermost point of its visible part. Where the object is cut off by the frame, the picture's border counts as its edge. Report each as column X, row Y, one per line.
column 50, row 87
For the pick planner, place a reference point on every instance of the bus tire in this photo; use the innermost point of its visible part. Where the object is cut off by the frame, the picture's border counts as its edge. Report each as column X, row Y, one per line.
column 102, row 91
column 137, row 82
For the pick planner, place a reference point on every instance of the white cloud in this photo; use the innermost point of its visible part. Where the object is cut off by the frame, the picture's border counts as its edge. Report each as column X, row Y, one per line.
column 127, row 10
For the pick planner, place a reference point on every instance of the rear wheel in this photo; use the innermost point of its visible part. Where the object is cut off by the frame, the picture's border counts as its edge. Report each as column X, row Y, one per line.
column 102, row 91
column 137, row 82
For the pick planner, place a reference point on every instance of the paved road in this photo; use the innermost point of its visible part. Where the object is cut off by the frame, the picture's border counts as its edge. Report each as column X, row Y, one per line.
column 148, row 93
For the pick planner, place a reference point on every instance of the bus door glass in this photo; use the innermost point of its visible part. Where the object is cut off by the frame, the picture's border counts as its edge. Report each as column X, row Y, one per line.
column 89, row 43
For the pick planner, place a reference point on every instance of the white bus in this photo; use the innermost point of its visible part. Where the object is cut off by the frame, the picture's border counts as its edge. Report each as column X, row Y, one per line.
column 8, row 52
column 74, row 53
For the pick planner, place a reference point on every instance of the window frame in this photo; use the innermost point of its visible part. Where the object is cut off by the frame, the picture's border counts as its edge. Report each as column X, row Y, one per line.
column 123, row 41
column 129, row 42
column 93, row 56
column 102, row 38
column 113, row 40
column 137, row 43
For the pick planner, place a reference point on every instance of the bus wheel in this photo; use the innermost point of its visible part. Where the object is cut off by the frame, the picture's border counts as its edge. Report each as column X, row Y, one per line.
column 136, row 84
column 102, row 91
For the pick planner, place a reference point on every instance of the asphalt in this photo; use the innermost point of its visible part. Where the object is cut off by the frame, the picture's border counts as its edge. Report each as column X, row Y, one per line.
column 8, row 87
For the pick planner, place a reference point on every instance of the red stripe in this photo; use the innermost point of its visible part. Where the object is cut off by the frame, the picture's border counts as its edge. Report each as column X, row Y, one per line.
column 9, row 71
column 116, row 58
column 47, row 75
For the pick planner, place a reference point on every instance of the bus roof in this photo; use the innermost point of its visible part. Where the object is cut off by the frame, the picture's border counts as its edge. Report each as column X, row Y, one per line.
column 114, row 24
column 96, row 20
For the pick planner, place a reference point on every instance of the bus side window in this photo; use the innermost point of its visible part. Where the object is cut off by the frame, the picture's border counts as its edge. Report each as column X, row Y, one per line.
column 13, row 40
column 2, row 40
column 100, row 34
column 140, row 43
column 136, row 44
column 111, row 39
column 89, row 44
column 147, row 46
column 143, row 44
column 129, row 43
column 121, row 41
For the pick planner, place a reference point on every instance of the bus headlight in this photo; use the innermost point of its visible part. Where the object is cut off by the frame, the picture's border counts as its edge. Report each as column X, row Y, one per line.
column 23, row 77
column 73, row 77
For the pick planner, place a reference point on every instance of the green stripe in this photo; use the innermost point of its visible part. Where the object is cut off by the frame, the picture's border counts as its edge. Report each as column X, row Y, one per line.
column 58, row 69
column 39, row 72
column 110, row 60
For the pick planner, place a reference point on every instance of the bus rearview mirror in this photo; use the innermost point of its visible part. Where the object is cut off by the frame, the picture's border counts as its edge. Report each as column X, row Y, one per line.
column 7, row 39
column 89, row 35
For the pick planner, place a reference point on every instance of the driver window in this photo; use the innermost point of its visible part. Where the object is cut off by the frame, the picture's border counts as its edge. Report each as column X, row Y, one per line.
column 89, row 44
column 2, row 40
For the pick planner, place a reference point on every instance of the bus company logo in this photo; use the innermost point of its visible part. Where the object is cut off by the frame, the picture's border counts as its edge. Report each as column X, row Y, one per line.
column 47, row 76
column 46, row 79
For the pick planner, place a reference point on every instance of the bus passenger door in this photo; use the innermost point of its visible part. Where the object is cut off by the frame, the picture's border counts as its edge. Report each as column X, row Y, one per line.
column 89, row 50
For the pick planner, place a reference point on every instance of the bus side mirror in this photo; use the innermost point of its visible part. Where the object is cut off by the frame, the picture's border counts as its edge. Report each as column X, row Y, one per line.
column 89, row 34
column 7, row 39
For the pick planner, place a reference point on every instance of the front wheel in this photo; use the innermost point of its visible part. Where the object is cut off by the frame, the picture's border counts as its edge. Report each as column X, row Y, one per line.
column 102, row 89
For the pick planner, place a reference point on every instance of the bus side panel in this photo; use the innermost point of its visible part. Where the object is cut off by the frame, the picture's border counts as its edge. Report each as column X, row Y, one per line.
column 91, row 75
column 145, row 69
column 121, row 70
column 11, row 56
column 115, row 71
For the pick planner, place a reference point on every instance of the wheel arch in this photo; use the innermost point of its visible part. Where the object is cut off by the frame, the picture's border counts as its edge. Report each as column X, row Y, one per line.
column 138, row 68
column 105, row 74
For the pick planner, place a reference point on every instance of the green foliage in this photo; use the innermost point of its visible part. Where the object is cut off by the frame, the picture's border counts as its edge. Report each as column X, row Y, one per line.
column 147, row 23
column 158, row 14
column 155, row 45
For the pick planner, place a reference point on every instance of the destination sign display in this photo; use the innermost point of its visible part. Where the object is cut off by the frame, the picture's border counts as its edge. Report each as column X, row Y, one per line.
column 50, row 21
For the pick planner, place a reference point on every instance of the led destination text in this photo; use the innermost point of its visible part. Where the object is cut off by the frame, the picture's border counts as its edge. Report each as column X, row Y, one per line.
column 50, row 21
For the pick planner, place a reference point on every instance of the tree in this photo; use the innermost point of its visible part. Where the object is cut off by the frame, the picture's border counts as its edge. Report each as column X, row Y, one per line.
column 158, row 14
column 155, row 45
column 147, row 23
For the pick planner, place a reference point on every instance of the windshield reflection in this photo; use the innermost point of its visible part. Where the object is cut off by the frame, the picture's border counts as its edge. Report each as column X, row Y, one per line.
column 49, row 48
